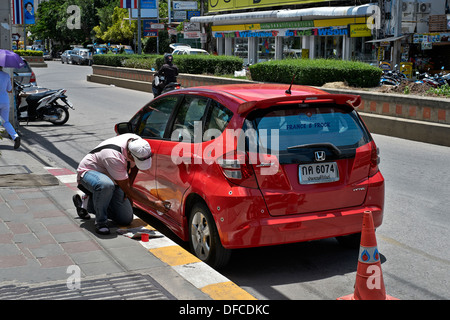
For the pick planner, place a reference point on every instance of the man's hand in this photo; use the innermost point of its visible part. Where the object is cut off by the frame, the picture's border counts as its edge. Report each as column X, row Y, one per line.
column 133, row 194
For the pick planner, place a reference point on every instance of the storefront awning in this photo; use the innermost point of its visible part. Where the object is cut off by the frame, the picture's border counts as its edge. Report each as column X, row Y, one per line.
column 286, row 15
column 390, row 39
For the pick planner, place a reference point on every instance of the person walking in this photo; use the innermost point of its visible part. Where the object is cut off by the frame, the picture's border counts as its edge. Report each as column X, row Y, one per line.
column 106, row 175
column 5, row 88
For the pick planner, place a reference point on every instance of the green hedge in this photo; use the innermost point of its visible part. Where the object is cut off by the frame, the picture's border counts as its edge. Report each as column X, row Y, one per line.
column 191, row 64
column 195, row 64
column 29, row 53
column 112, row 60
column 317, row 72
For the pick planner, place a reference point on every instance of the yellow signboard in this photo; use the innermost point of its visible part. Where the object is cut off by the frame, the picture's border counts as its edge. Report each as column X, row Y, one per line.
column 406, row 69
column 338, row 22
column 359, row 30
column 219, row 5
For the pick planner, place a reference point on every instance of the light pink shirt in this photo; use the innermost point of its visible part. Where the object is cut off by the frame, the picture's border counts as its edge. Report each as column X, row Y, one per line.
column 109, row 161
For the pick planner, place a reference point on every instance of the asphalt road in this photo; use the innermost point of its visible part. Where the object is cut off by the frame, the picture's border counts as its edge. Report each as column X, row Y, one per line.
column 413, row 239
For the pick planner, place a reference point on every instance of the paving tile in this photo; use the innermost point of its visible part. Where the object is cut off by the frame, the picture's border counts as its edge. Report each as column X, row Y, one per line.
column 80, row 246
column 56, row 261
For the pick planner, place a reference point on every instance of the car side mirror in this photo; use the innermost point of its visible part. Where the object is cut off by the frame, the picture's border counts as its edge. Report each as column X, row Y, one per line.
column 123, row 127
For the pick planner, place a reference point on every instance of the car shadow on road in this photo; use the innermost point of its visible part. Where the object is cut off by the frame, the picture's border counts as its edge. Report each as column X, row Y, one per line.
column 265, row 268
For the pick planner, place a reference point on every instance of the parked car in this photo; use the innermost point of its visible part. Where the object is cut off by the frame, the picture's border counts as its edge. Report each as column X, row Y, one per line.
column 66, row 57
column 189, row 50
column 81, row 56
column 25, row 75
column 304, row 166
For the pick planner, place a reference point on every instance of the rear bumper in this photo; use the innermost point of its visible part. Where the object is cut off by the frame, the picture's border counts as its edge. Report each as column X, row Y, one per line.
column 298, row 228
column 246, row 222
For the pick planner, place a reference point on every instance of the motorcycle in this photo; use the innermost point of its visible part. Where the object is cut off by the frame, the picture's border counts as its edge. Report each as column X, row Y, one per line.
column 43, row 105
column 158, row 83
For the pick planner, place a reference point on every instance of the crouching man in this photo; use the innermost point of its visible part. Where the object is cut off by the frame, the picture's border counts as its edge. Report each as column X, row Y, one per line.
column 106, row 176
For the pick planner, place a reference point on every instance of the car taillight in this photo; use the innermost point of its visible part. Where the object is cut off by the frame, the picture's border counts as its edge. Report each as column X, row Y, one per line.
column 374, row 160
column 237, row 170
column 33, row 78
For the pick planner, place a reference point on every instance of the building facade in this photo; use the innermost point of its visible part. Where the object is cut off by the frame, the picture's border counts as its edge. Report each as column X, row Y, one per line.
column 390, row 32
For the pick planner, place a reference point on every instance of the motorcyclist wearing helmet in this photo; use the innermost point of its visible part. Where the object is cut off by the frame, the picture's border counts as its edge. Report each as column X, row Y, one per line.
column 169, row 71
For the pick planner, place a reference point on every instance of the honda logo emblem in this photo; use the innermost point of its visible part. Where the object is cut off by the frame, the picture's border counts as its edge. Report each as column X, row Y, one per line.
column 319, row 155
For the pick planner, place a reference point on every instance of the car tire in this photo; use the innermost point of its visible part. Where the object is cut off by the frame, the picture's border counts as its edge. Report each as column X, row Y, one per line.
column 204, row 239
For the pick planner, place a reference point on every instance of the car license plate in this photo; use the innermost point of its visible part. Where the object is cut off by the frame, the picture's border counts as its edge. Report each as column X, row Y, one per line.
column 318, row 173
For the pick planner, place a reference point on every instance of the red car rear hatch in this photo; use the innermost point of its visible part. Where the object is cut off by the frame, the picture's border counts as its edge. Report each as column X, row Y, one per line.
column 310, row 153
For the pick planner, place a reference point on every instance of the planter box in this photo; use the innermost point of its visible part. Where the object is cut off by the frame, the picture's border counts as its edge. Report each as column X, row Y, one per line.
column 35, row 61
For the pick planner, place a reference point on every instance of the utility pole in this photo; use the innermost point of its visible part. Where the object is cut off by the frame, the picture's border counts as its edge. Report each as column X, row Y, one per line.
column 169, row 8
column 139, row 28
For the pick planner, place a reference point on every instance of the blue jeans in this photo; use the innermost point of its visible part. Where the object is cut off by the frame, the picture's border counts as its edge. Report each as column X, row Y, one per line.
column 4, row 114
column 107, row 200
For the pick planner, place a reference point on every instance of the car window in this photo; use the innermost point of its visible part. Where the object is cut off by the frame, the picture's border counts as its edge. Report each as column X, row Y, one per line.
column 189, row 115
column 155, row 116
column 217, row 121
column 278, row 129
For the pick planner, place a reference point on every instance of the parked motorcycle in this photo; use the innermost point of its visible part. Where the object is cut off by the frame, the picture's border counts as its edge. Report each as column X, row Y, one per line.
column 42, row 106
column 159, row 87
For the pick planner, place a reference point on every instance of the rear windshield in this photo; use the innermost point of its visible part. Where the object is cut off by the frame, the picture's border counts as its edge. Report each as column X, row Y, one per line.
column 278, row 128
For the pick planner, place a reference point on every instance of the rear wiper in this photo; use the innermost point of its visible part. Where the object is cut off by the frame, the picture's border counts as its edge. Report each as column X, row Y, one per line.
column 317, row 145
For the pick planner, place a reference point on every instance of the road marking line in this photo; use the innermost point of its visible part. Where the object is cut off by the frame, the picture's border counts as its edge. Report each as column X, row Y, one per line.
column 174, row 255
column 227, row 291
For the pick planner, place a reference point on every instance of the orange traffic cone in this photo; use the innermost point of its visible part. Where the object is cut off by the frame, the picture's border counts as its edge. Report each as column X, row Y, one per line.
column 369, row 284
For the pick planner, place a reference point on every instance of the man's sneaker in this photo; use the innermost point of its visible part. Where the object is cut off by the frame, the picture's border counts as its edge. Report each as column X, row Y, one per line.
column 17, row 143
column 82, row 213
column 102, row 229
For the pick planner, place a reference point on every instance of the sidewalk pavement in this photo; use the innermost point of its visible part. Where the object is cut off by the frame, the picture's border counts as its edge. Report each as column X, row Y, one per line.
column 47, row 252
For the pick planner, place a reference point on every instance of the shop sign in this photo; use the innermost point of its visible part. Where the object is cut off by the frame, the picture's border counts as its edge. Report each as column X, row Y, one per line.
column 406, row 69
column 359, row 31
column 298, row 33
column 191, row 26
column 384, row 65
column 150, row 32
column 426, row 37
column 286, row 33
column 426, row 45
column 192, row 35
column 247, row 34
column 185, row 5
column 179, row 15
column 324, row 23
column 287, row 24
column 330, row 31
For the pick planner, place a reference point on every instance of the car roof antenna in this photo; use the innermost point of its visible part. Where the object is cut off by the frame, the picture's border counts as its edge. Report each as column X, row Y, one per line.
column 288, row 91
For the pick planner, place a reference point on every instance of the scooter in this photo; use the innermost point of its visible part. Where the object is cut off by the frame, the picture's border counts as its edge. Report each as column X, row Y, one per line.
column 158, row 82
column 43, row 105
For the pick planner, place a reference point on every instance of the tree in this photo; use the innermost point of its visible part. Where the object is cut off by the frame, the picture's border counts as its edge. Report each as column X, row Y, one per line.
column 53, row 21
column 118, row 29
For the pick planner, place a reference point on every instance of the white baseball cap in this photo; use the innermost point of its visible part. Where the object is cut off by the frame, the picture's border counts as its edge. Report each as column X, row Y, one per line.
column 141, row 152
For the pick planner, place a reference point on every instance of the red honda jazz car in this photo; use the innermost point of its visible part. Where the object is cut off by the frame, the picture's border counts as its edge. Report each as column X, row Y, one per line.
column 255, row 165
